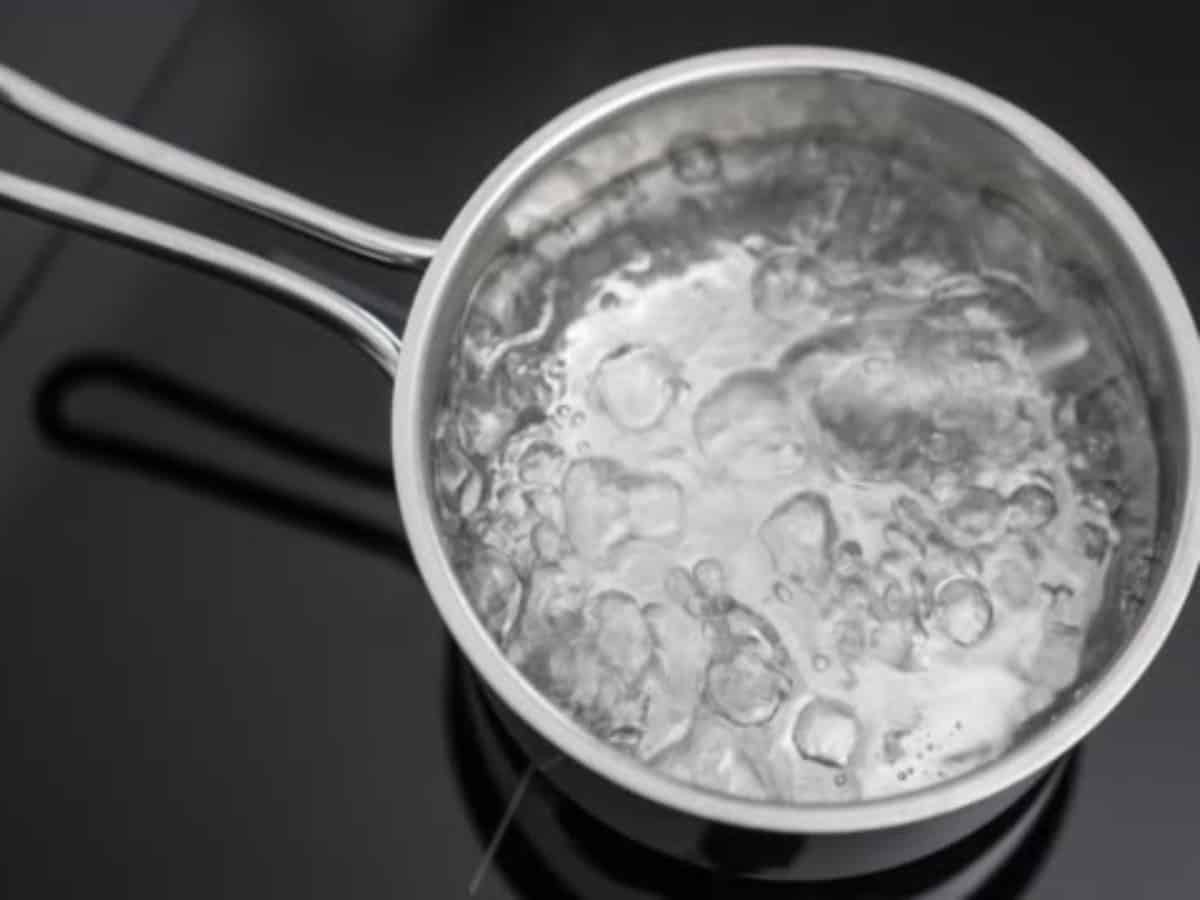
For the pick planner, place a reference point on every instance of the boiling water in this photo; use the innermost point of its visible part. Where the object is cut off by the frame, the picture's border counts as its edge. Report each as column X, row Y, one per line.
column 806, row 512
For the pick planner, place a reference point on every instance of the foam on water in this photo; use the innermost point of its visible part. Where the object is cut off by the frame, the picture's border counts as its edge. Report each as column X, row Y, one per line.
column 800, row 520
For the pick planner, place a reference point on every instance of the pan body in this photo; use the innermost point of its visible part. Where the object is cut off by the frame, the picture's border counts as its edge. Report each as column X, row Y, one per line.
column 571, row 181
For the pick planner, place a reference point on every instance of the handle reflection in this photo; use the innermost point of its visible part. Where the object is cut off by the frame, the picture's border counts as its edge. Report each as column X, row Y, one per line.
column 113, row 447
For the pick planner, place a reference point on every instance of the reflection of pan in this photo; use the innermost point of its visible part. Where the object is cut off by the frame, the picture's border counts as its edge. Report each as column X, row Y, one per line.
column 552, row 847
column 582, row 178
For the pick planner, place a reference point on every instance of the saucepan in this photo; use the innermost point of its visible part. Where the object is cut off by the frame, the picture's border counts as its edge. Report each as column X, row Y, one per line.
column 728, row 122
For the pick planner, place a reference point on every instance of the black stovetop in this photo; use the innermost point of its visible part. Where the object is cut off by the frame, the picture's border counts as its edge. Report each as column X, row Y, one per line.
column 225, row 676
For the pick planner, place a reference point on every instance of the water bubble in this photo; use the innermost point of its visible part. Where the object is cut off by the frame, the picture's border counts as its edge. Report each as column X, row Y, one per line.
column 1093, row 541
column 785, row 287
column 1140, row 561
column 816, row 211
column 941, row 561
column 925, row 247
column 1067, row 607
column 839, row 779
column 548, row 542
column 826, row 732
column 782, row 593
column 848, row 559
column 744, row 424
column 710, row 576
column 471, row 494
column 963, row 611
column 745, row 690
column 1031, row 506
column 992, row 305
column 756, row 244
column 555, row 602
column 636, row 386
column 512, row 504
column 640, row 263
column 902, row 542
column 549, row 666
column 939, row 447
column 709, row 605
column 609, row 300
column 679, row 585
column 893, row 746
column 891, row 643
column 482, row 431
column 745, row 630
column 1096, row 446
column 912, row 519
column 1012, row 306
column 495, row 591
column 866, row 207
column 541, row 463
column 622, row 634
column 968, row 562
column 855, row 594
column 868, row 415
column 1013, row 582
column 681, row 637
column 655, row 507
column 893, row 603
column 955, row 287
column 451, row 468
column 1104, row 496
column 1055, row 663
column 944, row 486
column 977, row 513
column 595, row 505
column 625, row 725
column 605, row 504
column 894, row 565
column 501, row 301
column 625, row 194
column 669, row 715
column 695, row 160
column 850, row 638
column 547, row 504
column 1106, row 413
column 599, row 694
column 713, row 759
column 820, row 662
column 1006, row 241
column 800, row 535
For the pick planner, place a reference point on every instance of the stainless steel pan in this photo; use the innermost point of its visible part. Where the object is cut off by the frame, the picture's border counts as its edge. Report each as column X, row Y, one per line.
column 529, row 202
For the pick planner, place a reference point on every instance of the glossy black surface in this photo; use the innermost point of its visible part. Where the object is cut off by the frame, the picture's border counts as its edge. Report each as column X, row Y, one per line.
column 224, row 676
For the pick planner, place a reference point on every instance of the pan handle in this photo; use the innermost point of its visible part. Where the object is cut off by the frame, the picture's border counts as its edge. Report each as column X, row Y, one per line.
column 188, row 170
column 119, row 225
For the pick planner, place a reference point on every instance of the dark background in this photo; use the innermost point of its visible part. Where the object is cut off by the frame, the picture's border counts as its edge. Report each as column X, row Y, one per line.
column 222, row 678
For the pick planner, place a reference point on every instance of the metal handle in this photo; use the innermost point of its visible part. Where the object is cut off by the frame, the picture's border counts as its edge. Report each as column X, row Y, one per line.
column 305, row 294
column 186, row 169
